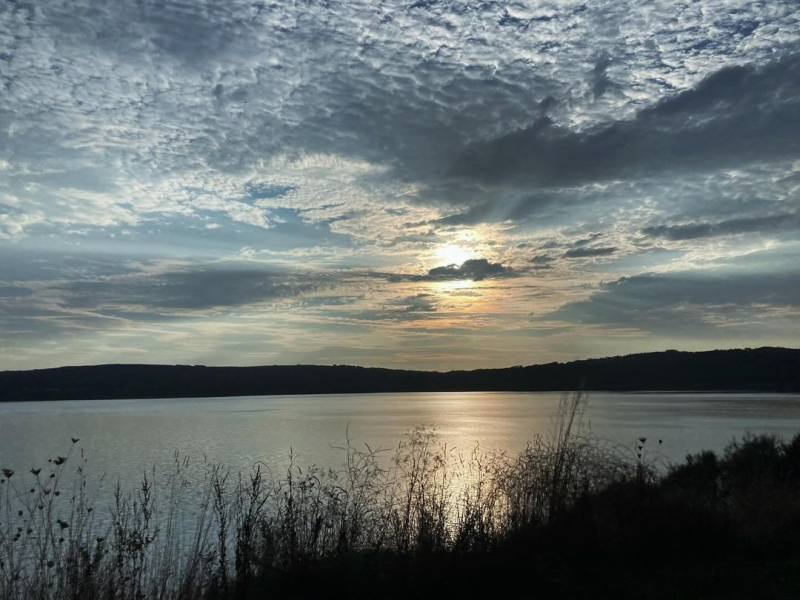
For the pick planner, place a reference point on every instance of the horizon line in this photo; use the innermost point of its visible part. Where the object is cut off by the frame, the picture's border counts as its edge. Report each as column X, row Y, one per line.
column 337, row 365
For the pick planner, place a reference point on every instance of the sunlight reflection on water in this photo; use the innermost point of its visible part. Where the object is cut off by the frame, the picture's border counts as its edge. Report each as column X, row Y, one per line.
column 123, row 438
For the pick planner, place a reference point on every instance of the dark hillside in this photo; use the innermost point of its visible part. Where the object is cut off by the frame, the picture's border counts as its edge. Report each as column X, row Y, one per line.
column 762, row 369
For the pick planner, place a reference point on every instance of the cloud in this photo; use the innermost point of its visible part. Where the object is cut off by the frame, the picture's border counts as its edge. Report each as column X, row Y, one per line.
column 475, row 269
column 218, row 286
column 427, row 237
column 581, row 252
column 152, row 292
column 126, row 104
column 540, row 259
column 421, row 302
column 601, row 83
column 689, row 302
column 697, row 230
column 734, row 116
column 155, row 155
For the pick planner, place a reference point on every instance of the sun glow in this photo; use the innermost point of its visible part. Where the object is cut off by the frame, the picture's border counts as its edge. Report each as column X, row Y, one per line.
column 452, row 254
column 455, row 286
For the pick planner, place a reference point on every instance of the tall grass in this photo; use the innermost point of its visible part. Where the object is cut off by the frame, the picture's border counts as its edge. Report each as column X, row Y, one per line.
column 420, row 500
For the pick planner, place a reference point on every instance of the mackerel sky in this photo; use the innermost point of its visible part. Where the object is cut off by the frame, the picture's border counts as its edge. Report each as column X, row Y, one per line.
column 430, row 184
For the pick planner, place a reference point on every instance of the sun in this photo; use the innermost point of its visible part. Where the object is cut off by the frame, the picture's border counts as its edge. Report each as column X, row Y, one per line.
column 452, row 254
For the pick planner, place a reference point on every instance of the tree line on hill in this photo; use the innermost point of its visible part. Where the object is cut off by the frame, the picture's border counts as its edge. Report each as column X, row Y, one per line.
column 761, row 369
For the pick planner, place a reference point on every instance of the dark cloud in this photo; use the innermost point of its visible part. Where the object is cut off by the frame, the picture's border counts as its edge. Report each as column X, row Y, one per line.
column 513, row 206
column 665, row 302
column 476, row 269
column 734, row 116
column 587, row 240
column 541, row 262
column 417, row 303
column 14, row 291
column 549, row 244
column 199, row 289
column 582, row 252
column 429, row 237
column 696, row 230
column 601, row 83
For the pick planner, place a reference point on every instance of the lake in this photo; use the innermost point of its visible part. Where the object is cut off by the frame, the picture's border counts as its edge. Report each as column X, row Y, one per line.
column 122, row 438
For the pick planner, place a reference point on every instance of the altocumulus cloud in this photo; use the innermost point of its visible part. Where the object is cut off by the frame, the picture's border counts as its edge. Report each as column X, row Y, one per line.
column 203, row 162
column 185, row 125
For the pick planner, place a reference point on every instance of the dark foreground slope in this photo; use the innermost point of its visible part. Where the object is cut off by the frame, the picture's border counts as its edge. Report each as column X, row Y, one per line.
column 762, row 369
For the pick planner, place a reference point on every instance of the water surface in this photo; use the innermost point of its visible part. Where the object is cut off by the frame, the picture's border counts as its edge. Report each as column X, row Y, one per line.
column 122, row 438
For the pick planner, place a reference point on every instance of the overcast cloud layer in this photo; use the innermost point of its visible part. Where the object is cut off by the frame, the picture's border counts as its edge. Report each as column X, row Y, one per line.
column 423, row 184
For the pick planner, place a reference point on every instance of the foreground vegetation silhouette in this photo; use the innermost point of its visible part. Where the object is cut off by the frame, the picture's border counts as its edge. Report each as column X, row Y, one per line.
column 571, row 516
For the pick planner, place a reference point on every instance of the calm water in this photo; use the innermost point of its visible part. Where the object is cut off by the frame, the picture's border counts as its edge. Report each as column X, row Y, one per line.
column 124, row 437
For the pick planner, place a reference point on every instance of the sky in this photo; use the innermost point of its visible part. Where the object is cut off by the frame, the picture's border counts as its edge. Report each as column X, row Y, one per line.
column 429, row 184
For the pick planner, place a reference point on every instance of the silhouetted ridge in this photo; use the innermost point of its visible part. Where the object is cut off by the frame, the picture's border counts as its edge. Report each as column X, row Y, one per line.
column 762, row 369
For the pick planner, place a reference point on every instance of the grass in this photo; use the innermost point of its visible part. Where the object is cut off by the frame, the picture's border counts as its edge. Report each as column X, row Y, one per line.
column 570, row 516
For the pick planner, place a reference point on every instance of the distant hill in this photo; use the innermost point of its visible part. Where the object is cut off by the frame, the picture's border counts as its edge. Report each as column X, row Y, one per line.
column 762, row 369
